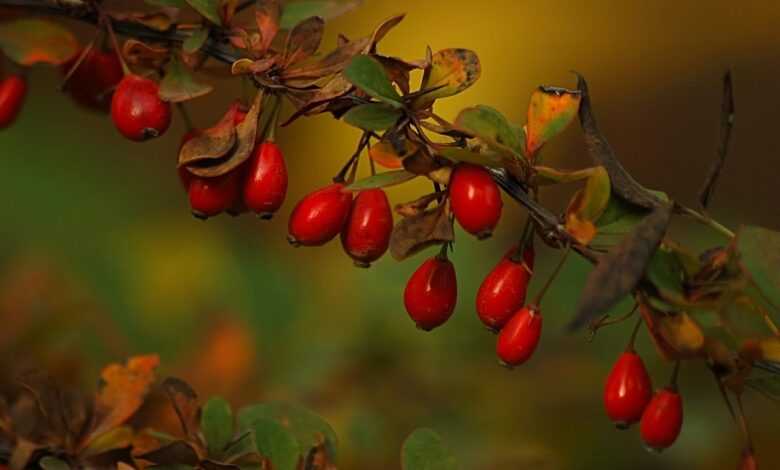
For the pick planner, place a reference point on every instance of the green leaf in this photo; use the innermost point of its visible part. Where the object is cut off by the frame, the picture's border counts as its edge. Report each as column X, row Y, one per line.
column 209, row 9
column 550, row 111
column 372, row 116
column 195, row 42
column 276, row 443
column 216, row 422
column 369, row 75
column 424, row 450
column 307, row 427
column 489, row 125
column 296, row 11
column 468, row 156
column 759, row 257
column 52, row 463
column 587, row 205
column 179, row 85
column 666, row 273
column 451, row 72
column 32, row 40
column 382, row 180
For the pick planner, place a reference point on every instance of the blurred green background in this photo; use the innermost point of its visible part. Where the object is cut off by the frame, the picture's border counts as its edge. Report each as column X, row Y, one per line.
column 100, row 258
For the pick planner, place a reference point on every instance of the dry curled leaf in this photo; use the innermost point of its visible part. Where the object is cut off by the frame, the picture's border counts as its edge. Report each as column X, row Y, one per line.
column 185, row 402
column 676, row 336
column 213, row 143
column 303, row 41
column 417, row 232
column 619, row 271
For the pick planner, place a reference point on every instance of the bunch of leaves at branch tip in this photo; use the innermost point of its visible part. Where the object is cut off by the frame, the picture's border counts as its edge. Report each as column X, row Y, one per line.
column 60, row 428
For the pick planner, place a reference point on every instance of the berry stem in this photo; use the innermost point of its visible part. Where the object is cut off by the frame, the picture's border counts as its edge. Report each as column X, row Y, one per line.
column 340, row 176
column 743, row 424
column 675, row 375
column 185, row 116
column 114, row 42
column 77, row 64
column 632, row 340
column 525, row 238
column 552, row 277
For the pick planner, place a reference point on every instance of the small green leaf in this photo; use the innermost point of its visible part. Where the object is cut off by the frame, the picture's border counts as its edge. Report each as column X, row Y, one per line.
column 666, row 273
column 487, row 158
column 369, row 75
column 296, row 11
column 52, row 463
column 307, row 427
column 179, row 85
column 33, row 40
column 382, row 180
column 759, row 257
column 193, row 43
column 216, row 422
column 424, row 450
column 372, row 116
column 277, row 444
column 209, row 9
column 489, row 125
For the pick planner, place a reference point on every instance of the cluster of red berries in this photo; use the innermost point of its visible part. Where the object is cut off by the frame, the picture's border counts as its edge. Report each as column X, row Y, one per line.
column 13, row 89
column 629, row 398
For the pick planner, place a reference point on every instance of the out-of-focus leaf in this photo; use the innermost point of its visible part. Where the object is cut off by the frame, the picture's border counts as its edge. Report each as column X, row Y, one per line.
column 759, row 258
column 417, row 232
column 53, row 463
column 122, row 393
column 451, row 72
column 425, row 450
column 304, row 40
column 369, row 75
column 622, row 182
column 666, row 273
column 297, row 11
column 276, row 443
column 675, row 335
column 308, row 428
column 726, row 124
column 139, row 53
column 167, row 3
column 185, row 402
column 550, row 111
column 489, row 125
column 117, row 438
column 546, row 175
column 382, row 180
column 588, row 205
column 209, row 9
column 770, row 349
column 267, row 16
column 157, row 20
column 175, row 453
column 372, row 116
column 485, row 158
column 618, row 219
column 421, row 163
column 179, row 85
column 619, row 271
column 29, row 41
column 387, row 155
column 216, row 423
column 193, row 43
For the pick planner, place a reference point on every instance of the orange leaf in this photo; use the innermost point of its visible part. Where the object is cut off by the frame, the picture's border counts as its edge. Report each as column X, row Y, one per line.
column 549, row 112
column 385, row 154
column 32, row 40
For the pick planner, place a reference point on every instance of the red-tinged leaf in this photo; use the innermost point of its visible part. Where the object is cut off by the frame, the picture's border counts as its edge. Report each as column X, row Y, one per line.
column 122, row 393
column 297, row 11
column 418, row 232
column 213, row 143
column 550, row 111
column 588, row 205
column 619, row 271
column 185, row 402
column 267, row 16
column 227, row 10
column 179, row 85
column 303, row 41
column 387, row 155
column 139, row 53
column 451, row 71
column 29, row 41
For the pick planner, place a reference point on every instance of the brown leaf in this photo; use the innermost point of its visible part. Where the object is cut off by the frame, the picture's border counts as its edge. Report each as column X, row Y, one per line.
column 267, row 14
column 185, row 403
column 412, row 208
column 245, row 135
column 417, row 232
column 726, row 123
column 421, row 163
column 337, row 87
column 619, row 271
column 676, row 335
column 139, row 53
column 213, row 143
column 122, row 393
column 175, row 453
column 333, row 62
column 622, row 182
column 303, row 40
column 381, row 31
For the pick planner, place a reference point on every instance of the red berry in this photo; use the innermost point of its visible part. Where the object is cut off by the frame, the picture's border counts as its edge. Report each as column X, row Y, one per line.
column 92, row 83
column 319, row 216
column 628, row 390
column 12, row 92
column 503, row 291
column 748, row 460
column 266, row 183
column 518, row 339
column 137, row 110
column 431, row 293
column 662, row 419
column 476, row 200
column 211, row 196
column 366, row 235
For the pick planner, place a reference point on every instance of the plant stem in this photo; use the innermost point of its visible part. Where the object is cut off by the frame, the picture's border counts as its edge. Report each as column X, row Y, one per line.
column 703, row 219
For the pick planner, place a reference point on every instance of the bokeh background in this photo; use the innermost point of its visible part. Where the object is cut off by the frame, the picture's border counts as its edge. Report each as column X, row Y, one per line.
column 100, row 258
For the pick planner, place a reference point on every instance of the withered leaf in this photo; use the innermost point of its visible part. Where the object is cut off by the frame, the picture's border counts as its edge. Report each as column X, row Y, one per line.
column 175, row 453
column 139, row 53
column 619, row 271
column 726, row 124
column 408, row 209
column 333, row 62
column 212, row 143
column 123, row 392
column 304, row 40
column 421, row 163
column 267, row 14
column 185, row 402
column 381, row 31
column 622, row 182
column 417, row 232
